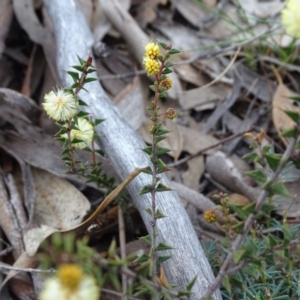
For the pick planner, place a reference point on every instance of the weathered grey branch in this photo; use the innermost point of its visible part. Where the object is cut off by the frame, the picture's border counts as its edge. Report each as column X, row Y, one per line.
column 122, row 145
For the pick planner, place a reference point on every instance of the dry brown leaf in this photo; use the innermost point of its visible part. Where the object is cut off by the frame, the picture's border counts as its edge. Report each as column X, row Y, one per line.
column 23, row 261
column 58, row 205
column 162, row 279
column 261, row 9
column 189, row 74
column 198, row 97
column 238, row 199
column 280, row 103
column 192, row 11
column 289, row 206
column 191, row 177
column 130, row 102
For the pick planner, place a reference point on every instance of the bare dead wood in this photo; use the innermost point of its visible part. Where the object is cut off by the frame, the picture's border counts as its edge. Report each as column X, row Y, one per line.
column 122, row 145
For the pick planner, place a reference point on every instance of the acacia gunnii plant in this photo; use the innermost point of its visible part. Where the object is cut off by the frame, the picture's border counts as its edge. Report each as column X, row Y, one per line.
column 77, row 132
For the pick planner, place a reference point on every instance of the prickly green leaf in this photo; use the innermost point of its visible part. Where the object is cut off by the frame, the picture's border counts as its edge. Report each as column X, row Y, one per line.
column 160, row 58
column 157, row 139
column 146, row 238
column 79, row 68
column 191, row 283
column 162, row 95
column 146, row 189
column 288, row 133
column 148, row 150
column 149, row 211
column 162, row 132
column 161, row 167
column 74, row 75
column 91, row 70
column 163, row 45
column 161, row 259
column 90, row 79
column 82, row 114
column 143, row 258
column 74, row 85
column 273, row 160
column 100, row 152
column 159, row 214
column 66, row 158
column 162, row 188
column 81, row 61
column 167, row 71
column 161, row 150
column 295, row 98
column 226, row 283
column 238, row 210
column 278, row 188
column 293, row 115
column 161, row 247
column 168, row 64
column 98, row 121
column 152, row 87
column 238, row 255
column 252, row 156
column 258, row 175
column 174, row 51
column 147, row 170
column 81, row 103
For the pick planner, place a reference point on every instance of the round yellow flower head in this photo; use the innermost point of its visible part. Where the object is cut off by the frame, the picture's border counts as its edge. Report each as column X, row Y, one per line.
column 152, row 50
column 290, row 17
column 166, row 83
column 151, row 66
column 171, row 113
column 60, row 105
column 70, row 276
column 85, row 132
column 210, row 216
column 70, row 284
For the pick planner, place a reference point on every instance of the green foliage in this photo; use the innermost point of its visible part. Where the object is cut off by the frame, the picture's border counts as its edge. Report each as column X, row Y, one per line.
column 266, row 263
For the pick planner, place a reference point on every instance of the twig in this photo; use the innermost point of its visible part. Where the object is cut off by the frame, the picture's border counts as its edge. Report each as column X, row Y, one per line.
column 122, row 240
column 249, row 221
column 184, row 160
column 30, row 270
column 224, row 72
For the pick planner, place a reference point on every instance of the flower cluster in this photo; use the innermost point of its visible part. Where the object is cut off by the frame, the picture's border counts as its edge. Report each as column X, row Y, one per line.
column 152, row 50
column 70, row 284
column 151, row 66
column 60, row 105
column 210, row 216
column 166, row 83
column 290, row 17
column 83, row 134
column 171, row 113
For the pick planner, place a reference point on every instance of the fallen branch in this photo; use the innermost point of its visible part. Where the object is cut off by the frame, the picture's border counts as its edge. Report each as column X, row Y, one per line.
column 122, row 146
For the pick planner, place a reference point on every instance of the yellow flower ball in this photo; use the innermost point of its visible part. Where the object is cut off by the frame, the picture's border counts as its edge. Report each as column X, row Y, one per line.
column 210, row 216
column 152, row 50
column 290, row 17
column 171, row 113
column 70, row 284
column 151, row 66
column 166, row 83
column 60, row 105
column 85, row 132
